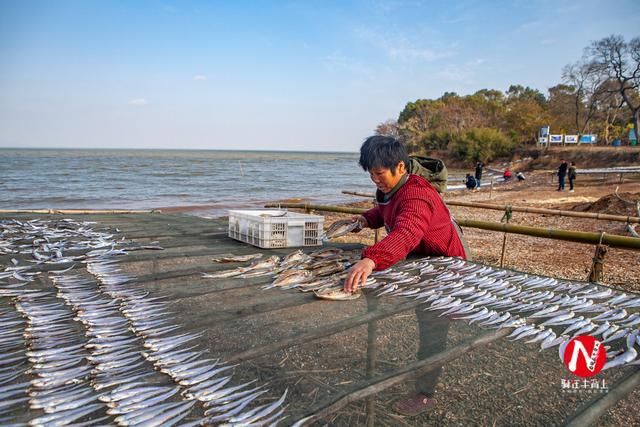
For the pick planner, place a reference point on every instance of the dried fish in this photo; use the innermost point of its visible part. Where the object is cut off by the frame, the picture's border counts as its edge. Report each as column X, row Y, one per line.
column 340, row 228
column 337, row 294
column 237, row 258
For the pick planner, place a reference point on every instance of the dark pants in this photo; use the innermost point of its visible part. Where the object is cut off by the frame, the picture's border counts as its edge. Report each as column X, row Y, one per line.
column 432, row 331
column 560, row 182
column 477, row 182
column 571, row 183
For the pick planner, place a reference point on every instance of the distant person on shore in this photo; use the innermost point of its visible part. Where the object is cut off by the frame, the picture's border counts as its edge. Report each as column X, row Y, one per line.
column 471, row 182
column 562, row 173
column 478, row 175
column 572, row 176
column 418, row 222
column 520, row 176
column 507, row 175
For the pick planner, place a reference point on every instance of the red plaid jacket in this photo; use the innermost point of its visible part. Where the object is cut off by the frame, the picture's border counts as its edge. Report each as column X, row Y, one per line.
column 417, row 221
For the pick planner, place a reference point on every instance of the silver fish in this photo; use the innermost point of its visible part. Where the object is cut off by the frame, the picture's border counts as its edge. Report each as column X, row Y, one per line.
column 237, row 258
column 340, row 228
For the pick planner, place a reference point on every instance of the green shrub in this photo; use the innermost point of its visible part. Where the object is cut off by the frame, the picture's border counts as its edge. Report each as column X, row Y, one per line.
column 482, row 144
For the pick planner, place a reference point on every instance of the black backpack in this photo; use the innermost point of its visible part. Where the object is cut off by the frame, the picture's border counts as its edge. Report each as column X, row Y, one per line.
column 433, row 170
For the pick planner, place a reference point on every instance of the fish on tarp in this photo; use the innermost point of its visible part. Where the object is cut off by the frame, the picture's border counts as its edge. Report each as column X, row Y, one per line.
column 334, row 294
column 270, row 262
column 237, row 258
column 293, row 277
column 340, row 228
column 225, row 273
column 326, row 252
column 328, row 269
column 294, row 257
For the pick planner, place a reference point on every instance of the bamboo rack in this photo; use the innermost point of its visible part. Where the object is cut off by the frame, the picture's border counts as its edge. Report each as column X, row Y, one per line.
column 526, row 209
column 219, row 244
column 612, row 240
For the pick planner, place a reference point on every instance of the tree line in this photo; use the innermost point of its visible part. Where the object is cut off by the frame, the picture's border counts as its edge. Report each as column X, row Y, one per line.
column 599, row 94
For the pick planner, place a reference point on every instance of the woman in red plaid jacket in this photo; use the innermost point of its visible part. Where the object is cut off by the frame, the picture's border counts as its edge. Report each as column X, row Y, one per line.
column 417, row 222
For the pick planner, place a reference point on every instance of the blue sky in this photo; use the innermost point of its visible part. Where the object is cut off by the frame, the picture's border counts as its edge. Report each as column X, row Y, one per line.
column 283, row 75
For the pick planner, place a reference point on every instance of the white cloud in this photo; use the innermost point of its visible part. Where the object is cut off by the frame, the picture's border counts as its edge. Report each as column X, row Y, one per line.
column 199, row 77
column 138, row 101
column 464, row 74
column 535, row 24
column 399, row 46
column 454, row 73
column 338, row 63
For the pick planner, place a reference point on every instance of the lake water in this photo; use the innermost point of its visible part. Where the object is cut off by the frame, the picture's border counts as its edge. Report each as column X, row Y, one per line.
column 207, row 181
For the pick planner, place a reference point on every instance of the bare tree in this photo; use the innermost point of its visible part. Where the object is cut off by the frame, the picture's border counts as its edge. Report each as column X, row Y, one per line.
column 389, row 128
column 615, row 60
column 588, row 92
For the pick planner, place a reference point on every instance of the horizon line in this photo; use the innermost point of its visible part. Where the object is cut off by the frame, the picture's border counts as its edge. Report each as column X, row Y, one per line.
column 176, row 149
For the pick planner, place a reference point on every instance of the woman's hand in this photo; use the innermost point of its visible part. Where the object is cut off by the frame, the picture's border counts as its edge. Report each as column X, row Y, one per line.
column 362, row 222
column 358, row 274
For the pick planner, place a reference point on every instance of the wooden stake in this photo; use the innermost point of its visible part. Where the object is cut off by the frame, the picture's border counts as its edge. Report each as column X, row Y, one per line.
column 597, row 266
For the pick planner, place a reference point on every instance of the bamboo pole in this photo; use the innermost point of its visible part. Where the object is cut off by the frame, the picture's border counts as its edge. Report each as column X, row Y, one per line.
column 358, row 193
column 526, row 209
column 77, row 211
column 589, row 413
column 612, row 240
column 326, row 208
column 415, row 369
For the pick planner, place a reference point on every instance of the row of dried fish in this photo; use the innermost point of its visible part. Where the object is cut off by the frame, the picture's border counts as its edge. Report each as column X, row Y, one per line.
column 96, row 347
column 533, row 305
column 541, row 310
column 61, row 241
column 202, row 379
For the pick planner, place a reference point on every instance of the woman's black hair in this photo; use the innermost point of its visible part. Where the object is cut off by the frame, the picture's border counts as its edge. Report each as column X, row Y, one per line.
column 383, row 152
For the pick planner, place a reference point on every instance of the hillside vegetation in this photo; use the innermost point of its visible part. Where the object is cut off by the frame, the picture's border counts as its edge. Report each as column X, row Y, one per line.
column 599, row 94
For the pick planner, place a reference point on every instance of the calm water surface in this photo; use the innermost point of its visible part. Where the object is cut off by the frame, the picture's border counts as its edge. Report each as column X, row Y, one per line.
column 139, row 179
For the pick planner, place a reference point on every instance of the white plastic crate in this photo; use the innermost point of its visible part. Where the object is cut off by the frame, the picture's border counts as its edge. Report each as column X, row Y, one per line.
column 275, row 228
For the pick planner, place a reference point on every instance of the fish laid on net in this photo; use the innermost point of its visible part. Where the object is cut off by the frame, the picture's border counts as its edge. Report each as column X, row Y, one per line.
column 89, row 346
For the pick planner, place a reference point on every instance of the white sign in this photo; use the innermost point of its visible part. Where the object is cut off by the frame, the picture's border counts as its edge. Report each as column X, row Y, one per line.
column 542, row 140
column 571, row 139
column 555, row 139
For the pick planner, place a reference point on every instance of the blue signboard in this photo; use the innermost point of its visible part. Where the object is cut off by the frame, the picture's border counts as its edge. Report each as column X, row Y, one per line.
column 587, row 139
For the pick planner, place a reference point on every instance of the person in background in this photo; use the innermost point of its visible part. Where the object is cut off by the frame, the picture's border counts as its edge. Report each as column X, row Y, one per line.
column 418, row 222
column 562, row 173
column 478, row 175
column 520, row 176
column 471, row 182
column 572, row 176
column 507, row 174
